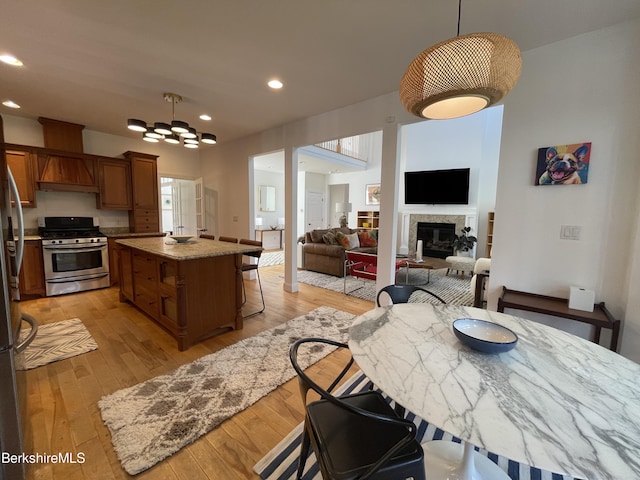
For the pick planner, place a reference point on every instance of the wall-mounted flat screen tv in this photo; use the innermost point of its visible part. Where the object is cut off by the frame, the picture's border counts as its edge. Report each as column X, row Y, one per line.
column 437, row 187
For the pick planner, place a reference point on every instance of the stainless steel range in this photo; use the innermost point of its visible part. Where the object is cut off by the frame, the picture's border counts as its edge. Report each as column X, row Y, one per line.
column 76, row 256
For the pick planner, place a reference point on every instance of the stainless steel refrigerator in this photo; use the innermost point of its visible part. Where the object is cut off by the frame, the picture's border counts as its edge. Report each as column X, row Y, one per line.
column 13, row 424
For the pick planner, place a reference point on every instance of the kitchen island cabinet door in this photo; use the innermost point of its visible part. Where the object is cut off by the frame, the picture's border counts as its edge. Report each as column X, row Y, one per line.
column 125, row 264
column 193, row 299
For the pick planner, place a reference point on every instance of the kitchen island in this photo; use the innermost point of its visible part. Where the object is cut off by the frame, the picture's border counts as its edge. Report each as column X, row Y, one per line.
column 191, row 289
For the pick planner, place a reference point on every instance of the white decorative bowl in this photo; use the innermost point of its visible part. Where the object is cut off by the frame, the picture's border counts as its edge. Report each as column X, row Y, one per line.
column 181, row 238
column 484, row 336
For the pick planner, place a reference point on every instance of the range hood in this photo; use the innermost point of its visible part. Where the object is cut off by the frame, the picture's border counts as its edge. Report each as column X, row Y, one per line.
column 63, row 166
column 64, row 173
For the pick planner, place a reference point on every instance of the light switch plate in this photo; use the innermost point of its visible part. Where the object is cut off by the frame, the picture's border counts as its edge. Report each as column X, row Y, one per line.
column 570, row 232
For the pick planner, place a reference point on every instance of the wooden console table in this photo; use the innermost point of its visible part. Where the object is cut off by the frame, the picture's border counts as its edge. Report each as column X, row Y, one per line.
column 271, row 239
column 600, row 317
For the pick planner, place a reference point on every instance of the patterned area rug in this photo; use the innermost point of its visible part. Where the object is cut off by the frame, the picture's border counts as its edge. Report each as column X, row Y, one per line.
column 281, row 462
column 452, row 288
column 56, row 341
column 156, row 418
column 272, row 258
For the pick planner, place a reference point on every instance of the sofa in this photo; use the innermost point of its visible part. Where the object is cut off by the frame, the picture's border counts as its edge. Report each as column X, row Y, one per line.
column 323, row 249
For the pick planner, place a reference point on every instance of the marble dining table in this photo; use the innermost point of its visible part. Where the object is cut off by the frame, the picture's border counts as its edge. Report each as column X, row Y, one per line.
column 555, row 402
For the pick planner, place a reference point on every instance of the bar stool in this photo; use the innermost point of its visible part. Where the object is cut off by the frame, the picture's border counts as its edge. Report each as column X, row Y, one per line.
column 208, row 237
column 228, row 239
column 247, row 267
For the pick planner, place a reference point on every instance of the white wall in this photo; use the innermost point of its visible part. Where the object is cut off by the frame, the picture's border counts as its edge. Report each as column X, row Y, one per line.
column 433, row 145
column 358, row 181
column 580, row 90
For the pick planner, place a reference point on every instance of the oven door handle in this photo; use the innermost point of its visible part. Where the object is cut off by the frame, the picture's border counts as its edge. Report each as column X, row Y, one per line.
column 77, row 278
column 78, row 247
column 34, row 330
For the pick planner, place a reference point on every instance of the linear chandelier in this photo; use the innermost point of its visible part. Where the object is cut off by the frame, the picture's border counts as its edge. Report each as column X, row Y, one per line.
column 461, row 76
column 171, row 132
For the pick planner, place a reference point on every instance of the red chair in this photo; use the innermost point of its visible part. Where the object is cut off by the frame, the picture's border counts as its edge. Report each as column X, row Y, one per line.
column 362, row 265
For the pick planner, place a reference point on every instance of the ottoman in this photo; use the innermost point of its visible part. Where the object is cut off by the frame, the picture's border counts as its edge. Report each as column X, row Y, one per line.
column 460, row 264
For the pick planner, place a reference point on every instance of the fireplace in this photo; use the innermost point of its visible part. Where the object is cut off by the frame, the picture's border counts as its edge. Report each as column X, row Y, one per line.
column 437, row 238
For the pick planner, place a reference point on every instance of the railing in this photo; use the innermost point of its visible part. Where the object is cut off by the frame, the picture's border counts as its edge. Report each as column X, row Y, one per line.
column 356, row 147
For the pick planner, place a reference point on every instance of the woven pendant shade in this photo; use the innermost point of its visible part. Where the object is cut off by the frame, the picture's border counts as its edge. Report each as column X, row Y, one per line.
column 461, row 76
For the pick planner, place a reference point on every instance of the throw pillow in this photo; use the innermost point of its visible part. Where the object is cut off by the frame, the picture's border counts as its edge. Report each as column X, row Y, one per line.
column 330, row 238
column 348, row 241
column 341, row 239
column 316, row 236
column 367, row 239
column 353, row 241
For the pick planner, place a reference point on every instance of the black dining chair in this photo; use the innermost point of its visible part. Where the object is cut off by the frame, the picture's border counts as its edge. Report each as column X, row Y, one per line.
column 248, row 267
column 402, row 293
column 355, row 436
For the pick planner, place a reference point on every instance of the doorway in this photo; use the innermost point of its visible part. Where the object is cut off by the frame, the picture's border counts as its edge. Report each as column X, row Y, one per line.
column 178, row 206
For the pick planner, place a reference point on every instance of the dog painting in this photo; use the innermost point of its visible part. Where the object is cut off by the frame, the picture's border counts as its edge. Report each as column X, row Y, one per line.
column 563, row 165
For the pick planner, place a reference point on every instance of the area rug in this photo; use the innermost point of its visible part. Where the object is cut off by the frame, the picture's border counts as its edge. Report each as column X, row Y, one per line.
column 54, row 342
column 281, row 463
column 270, row 259
column 453, row 289
column 154, row 419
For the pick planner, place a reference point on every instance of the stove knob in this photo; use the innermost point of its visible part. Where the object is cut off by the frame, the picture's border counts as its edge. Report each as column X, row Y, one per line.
column 92, row 240
column 77, row 241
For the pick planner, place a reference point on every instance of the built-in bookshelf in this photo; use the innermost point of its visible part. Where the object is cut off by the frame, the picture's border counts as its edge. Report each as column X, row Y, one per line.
column 368, row 219
column 489, row 233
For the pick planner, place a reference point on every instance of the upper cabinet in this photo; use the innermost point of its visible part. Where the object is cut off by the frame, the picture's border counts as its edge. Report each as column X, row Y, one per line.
column 22, row 164
column 145, row 216
column 114, row 182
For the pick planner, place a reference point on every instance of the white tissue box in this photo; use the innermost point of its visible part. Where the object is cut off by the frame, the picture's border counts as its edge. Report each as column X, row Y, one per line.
column 581, row 299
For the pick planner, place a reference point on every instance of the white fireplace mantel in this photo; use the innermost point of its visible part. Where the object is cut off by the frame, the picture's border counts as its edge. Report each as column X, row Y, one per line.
column 461, row 216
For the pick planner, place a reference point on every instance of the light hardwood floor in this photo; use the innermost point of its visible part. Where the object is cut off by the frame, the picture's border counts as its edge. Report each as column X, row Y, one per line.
column 63, row 396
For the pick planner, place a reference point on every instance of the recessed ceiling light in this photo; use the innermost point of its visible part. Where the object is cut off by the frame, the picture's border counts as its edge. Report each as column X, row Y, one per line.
column 275, row 84
column 10, row 104
column 11, row 60
column 205, row 117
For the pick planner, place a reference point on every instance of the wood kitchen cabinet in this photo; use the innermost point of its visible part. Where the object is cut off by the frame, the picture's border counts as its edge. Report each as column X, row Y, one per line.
column 193, row 296
column 114, row 184
column 32, row 272
column 145, row 216
column 114, row 254
column 125, row 264
column 22, row 165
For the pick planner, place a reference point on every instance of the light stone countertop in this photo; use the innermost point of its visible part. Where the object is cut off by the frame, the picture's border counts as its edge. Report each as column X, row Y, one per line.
column 556, row 401
column 194, row 248
column 133, row 235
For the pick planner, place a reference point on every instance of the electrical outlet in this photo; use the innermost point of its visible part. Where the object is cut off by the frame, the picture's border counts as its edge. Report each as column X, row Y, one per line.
column 570, row 232
column 235, row 218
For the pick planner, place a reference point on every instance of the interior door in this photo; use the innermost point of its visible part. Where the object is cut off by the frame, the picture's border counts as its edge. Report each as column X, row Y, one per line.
column 314, row 210
column 201, row 226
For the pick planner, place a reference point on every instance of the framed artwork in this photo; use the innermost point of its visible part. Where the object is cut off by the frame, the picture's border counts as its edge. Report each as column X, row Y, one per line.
column 563, row 164
column 373, row 194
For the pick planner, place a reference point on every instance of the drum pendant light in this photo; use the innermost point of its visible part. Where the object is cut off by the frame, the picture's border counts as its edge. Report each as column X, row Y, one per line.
column 171, row 132
column 461, row 76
